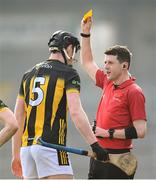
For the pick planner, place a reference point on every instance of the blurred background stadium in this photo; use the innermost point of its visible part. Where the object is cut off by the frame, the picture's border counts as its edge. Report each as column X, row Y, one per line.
column 25, row 28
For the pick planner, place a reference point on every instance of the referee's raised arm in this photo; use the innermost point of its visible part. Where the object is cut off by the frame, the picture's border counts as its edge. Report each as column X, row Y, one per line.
column 86, row 52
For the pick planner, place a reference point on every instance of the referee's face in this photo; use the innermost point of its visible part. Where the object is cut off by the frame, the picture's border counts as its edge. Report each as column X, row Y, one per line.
column 113, row 68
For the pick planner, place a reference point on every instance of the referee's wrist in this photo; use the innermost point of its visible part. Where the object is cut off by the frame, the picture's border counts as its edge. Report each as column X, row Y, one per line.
column 111, row 133
column 85, row 35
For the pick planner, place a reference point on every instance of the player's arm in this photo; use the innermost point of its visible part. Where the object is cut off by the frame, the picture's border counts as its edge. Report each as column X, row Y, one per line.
column 81, row 122
column 86, row 52
column 76, row 111
column 8, row 119
column 16, row 140
column 79, row 117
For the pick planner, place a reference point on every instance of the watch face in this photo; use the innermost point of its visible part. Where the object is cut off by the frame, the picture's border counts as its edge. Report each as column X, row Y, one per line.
column 111, row 132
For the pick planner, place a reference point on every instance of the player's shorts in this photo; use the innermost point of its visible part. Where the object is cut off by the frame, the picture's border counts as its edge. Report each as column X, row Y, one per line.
column 39, row 162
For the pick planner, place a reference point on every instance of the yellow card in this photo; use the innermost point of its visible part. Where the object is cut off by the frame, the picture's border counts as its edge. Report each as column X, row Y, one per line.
column 88, row 14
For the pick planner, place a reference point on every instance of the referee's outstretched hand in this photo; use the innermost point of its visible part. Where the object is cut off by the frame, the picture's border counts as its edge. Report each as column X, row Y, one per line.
column 101, row 153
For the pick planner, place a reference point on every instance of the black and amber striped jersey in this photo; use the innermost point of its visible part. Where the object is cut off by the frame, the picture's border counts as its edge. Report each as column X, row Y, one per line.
column 44, row 89
column 2, row 106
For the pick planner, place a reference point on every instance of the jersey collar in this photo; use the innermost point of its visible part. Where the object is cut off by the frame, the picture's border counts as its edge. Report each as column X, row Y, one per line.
column 126, row 83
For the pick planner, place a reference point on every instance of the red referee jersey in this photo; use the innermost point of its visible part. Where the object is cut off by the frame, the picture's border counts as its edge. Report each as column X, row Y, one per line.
column 118, row 108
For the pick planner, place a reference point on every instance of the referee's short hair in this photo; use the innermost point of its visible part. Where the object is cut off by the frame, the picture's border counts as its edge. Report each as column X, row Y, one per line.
column 122, row 52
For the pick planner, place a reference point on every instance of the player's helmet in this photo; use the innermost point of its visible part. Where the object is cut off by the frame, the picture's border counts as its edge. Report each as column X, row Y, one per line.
column 61, row 40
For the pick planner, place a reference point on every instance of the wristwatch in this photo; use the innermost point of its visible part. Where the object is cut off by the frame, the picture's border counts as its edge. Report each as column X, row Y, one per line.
column 111, row 132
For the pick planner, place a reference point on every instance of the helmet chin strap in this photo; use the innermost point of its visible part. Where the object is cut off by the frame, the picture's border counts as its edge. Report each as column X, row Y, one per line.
column 66, row 56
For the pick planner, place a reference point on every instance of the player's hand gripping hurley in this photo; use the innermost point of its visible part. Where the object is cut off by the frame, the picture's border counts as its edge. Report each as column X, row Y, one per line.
column 70, row 149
